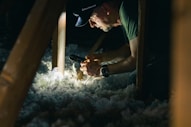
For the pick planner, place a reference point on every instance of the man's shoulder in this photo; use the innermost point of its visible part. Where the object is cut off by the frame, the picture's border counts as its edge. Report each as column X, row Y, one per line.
column 129, row 5
column 129, row 17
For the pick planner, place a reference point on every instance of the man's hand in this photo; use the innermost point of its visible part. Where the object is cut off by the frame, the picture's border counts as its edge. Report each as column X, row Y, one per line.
column 91, row 67
column 95, row 57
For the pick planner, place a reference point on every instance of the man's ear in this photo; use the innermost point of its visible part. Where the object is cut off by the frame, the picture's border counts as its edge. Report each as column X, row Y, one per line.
column 91, row 23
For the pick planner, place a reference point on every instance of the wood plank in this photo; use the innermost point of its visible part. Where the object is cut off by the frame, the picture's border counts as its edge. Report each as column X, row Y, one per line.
column 24, row 59
column 142, row 45
column 61, row 43
column 181, row 61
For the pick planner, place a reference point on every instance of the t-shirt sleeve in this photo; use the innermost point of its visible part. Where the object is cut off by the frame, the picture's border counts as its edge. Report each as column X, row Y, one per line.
column 129, row 18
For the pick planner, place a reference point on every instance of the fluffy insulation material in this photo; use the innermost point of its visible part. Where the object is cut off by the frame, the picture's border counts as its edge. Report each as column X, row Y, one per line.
column 56, row 100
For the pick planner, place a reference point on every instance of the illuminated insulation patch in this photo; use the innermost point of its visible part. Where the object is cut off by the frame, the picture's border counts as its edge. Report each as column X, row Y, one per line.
column 71, row 102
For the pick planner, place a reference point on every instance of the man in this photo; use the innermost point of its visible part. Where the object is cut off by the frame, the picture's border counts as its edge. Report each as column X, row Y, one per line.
column 105, row 16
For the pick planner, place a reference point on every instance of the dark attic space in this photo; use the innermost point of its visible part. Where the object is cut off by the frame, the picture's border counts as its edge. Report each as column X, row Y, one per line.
column 55, row 100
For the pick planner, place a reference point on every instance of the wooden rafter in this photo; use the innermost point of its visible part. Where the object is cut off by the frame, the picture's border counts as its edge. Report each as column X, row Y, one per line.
column 24, row 59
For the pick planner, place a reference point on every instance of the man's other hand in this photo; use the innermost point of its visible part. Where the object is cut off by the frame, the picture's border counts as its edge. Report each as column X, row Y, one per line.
column 95, row 57
column 91, row 67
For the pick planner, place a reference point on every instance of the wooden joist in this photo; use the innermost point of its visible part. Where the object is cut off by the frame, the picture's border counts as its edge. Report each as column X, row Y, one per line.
column 181, row 64
column 24, row 59
column 142, row 45
column 59, row 44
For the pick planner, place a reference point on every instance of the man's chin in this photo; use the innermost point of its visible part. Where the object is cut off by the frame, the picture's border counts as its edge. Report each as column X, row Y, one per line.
column 107, row 30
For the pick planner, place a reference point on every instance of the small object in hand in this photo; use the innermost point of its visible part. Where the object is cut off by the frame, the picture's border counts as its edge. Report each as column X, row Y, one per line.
column 77, row 58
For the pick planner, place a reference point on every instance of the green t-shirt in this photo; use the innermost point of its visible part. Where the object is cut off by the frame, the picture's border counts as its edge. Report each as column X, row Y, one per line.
column 128, row 13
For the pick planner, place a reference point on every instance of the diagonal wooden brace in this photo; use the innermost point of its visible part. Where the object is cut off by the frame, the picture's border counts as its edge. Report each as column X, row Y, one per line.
column 24, row 59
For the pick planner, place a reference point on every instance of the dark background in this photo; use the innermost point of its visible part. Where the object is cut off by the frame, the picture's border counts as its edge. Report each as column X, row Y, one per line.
column 13, row 20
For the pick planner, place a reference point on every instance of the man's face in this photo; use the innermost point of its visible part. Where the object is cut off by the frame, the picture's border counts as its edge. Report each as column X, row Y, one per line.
column 101, row 21
column 97, row 22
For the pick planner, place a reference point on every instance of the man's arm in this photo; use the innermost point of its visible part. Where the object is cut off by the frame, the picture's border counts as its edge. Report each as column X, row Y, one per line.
column 118, row 55
column 92, row 67
column 114, row 55
column 128, row 64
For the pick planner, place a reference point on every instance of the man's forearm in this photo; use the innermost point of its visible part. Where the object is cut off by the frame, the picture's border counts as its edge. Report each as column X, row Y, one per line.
column 126, row 65
column 117, row 55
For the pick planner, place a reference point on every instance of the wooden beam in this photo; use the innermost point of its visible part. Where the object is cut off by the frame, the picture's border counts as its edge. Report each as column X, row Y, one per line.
column 61, row 43
column 181, row 64
column 24, row 59
column 142, row 45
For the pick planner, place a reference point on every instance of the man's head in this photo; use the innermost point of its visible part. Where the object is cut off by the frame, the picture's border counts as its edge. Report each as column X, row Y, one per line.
column 103, row 16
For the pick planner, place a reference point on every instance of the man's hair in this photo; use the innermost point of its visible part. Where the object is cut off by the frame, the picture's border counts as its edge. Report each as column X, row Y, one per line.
column 85, row 9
